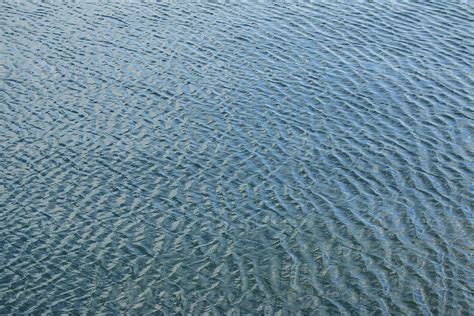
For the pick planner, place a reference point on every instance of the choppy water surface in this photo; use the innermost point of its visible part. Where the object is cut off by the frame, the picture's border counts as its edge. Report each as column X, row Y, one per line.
column 275, row 158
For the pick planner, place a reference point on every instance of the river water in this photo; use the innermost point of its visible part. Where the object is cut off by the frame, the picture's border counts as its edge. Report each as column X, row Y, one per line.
column 244, row 158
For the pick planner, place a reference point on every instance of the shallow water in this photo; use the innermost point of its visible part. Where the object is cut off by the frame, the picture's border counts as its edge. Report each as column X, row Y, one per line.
column 244, row 158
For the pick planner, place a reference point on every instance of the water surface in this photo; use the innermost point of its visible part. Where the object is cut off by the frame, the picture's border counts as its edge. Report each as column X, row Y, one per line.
column 256, row 158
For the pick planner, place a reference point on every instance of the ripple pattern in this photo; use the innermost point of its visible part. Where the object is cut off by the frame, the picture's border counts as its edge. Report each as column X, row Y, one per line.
column 271, row 158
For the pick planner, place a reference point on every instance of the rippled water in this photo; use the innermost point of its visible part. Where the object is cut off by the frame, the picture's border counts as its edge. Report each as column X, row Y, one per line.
column 262, row 158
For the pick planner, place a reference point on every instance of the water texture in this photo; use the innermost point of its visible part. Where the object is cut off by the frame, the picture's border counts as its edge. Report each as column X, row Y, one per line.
column 243, row 158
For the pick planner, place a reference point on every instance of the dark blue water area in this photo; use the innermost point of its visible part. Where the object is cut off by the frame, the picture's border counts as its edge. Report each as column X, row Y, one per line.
column 260, row 157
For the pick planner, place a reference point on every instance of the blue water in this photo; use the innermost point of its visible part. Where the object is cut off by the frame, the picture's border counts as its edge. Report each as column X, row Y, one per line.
column 275, row 158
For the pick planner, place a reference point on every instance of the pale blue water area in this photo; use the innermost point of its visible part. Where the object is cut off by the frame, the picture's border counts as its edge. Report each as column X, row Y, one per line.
column 264, row 157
